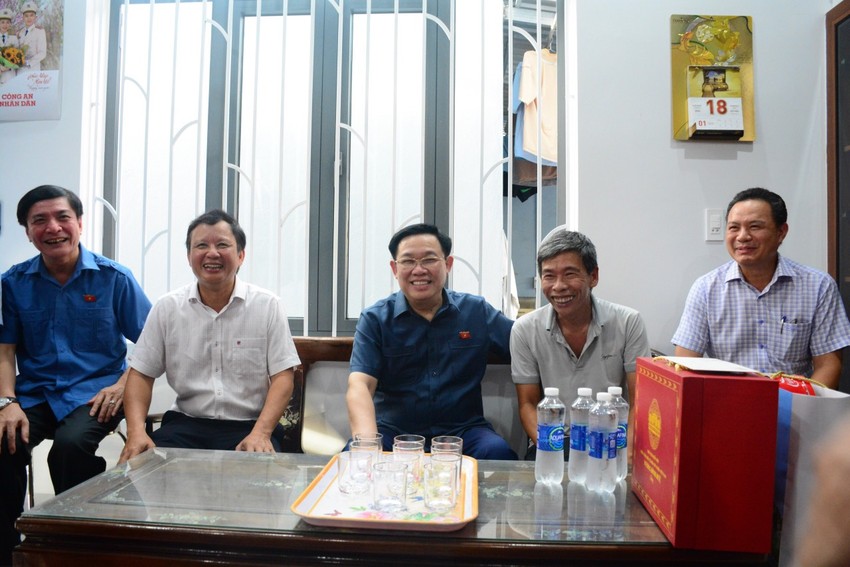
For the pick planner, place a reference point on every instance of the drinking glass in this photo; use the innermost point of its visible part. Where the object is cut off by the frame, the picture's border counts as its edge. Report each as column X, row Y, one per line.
column 411, row 453
column 389, row 486
column 439, row 485
column 450, row 444
column 354, row 471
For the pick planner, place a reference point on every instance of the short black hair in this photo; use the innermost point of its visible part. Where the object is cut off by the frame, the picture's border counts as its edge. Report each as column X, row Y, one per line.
column 777, row 204
column 46, row 193
column 215, row 216
column 420, row 228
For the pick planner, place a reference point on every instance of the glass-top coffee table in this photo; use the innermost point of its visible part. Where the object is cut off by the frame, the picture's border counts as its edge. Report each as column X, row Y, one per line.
column 179, row 506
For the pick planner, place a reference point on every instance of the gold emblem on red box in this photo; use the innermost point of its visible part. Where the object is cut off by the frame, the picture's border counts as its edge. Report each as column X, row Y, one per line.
column 654, row 425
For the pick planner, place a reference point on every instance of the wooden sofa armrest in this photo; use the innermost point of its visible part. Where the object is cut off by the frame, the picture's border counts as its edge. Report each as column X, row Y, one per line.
column 310, row 350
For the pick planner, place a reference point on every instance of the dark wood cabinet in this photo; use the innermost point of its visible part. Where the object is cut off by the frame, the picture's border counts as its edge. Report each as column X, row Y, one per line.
column 838, row 156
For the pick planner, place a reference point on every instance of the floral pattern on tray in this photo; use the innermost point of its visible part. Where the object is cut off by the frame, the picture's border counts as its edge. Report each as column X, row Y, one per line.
column 323, row 504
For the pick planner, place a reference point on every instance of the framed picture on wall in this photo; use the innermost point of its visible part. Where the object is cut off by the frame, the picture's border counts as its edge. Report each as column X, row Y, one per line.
column 31, row 41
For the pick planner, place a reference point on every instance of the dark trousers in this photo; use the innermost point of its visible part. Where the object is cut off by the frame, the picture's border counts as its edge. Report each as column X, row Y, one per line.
column 181, row 430
column 71, row 461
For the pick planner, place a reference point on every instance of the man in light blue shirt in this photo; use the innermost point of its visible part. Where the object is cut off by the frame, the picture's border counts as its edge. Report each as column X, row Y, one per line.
column 762, row 310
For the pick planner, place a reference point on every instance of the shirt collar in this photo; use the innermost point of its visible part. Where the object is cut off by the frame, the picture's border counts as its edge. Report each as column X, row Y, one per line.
column 85, row 261
column 402, row 306
column 240, row 291
column 598, row 317
column 783, row 271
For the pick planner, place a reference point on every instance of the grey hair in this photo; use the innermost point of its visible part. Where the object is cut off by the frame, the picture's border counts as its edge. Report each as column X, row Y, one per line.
column 561, row 240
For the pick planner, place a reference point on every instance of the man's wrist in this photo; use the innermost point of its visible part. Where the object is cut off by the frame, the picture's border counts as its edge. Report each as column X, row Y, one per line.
column 7, row 401
column 262, row 431
column 134, row 427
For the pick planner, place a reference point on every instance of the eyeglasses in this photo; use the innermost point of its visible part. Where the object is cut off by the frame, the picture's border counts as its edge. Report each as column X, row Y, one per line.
column 428, row 263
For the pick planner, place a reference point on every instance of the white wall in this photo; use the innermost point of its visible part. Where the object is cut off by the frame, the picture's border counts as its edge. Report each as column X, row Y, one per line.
column 642, row 194
column 48, row 151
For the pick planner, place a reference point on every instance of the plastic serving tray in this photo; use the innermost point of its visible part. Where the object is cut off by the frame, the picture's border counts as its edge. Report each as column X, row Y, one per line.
column 322, row 504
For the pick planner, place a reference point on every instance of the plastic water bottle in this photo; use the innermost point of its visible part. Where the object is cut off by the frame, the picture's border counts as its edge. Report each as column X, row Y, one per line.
column 579, row 414
column 622, row 406
column 549, row 464
column 602, row 447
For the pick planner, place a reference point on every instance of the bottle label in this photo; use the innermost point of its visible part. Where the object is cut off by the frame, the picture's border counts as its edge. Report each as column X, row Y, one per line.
column 622, row 435
column 578, row 437
column 611, row 445
column 550, row 437
column 594, row 444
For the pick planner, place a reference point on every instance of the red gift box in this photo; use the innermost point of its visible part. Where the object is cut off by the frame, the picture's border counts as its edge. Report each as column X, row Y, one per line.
column 705, row 455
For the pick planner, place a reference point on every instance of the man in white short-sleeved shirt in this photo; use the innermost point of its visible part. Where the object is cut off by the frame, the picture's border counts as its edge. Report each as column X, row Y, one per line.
column 225, row 348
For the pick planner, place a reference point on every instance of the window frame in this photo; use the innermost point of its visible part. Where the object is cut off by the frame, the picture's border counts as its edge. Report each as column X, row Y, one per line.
column 320, row 312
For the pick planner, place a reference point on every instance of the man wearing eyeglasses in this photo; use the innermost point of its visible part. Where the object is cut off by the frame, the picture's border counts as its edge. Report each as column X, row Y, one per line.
column 420, row 354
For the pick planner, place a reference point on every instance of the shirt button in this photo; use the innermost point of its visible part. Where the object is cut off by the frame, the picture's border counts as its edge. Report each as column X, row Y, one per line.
column 761, row 321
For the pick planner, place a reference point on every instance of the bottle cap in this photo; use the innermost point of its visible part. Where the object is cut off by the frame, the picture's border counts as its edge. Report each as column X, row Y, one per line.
column 551, row 392
column 615, row 390
column 603, row 397
column 587, row 392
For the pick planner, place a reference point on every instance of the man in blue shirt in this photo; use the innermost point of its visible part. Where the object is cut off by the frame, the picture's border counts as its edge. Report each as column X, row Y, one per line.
column 420, row 354
column 67, row 314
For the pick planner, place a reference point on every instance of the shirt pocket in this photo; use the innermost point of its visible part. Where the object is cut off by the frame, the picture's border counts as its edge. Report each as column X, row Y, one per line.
column 403, row 368
column 466, row 356
column 92, row 330
column 249, row 356
column 37, row 335
column 794, row 340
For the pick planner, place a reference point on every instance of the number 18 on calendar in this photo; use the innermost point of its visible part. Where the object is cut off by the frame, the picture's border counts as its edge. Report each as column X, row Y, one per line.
column 715, row 108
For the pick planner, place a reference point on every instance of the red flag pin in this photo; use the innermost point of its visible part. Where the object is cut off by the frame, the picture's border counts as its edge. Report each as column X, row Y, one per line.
column 88, row 298
column 464, row 335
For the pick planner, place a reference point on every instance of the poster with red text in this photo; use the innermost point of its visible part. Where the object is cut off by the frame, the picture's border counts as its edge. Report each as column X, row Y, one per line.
column 31, row 39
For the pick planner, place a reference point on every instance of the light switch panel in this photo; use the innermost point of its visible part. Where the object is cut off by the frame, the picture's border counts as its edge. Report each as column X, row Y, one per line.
column 715, row 225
